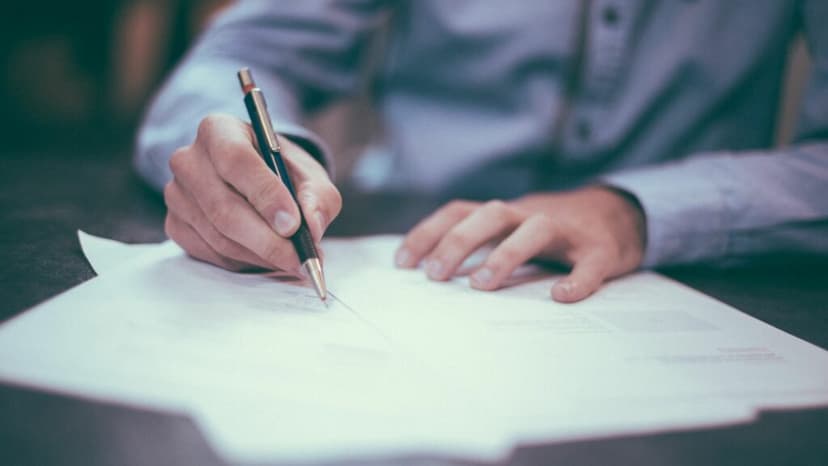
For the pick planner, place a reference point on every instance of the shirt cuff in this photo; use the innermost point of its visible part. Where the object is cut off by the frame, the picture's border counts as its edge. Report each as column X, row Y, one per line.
column 685, row 210
column 173, row 118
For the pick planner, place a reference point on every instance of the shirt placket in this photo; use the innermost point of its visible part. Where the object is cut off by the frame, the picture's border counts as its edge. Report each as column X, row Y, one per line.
column 607, row 38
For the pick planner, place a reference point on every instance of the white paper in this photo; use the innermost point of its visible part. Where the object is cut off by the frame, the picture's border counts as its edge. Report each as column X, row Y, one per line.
column 397, row 364
column 105, row 255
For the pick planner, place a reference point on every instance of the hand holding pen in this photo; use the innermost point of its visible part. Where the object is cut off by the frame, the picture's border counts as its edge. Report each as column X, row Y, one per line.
column 271, row 151
column 226, row 207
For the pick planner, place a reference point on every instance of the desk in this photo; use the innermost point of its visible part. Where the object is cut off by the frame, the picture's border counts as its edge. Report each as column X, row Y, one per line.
column 45, row 198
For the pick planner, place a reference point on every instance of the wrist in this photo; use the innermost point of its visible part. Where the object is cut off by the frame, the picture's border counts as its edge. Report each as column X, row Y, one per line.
column 629, row 212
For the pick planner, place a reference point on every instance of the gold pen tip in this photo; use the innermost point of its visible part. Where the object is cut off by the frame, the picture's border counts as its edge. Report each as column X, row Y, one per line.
column 314, row 270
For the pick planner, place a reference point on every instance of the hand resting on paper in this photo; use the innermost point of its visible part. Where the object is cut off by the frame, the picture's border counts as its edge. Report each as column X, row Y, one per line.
column 596, row 230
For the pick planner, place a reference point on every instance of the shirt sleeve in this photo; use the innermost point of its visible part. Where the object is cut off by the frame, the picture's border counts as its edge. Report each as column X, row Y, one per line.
column 302, row 55
column 725, row 206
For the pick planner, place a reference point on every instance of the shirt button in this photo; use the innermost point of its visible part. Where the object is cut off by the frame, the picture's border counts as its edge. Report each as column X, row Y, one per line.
column 610, row 15
column 583, row 130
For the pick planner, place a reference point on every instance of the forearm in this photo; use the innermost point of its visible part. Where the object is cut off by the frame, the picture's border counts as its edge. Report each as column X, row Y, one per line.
column 727, row 206
column 201, row 87
column 302, row 54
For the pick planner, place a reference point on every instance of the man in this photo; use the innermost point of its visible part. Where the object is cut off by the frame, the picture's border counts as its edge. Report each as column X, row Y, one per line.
column 621, row 133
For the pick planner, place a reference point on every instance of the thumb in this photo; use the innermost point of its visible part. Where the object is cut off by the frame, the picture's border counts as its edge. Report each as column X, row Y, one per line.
column 587, row 275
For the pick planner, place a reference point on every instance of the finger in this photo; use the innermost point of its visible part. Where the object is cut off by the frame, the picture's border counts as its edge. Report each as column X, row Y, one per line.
column 233, row 216
column 318, row 198
column 426, row 234
column 587, row 275
column 182, row 205
column 320, row 203
column 189, row 240
column 485, row 223
column 536, row 234
column 229, row 144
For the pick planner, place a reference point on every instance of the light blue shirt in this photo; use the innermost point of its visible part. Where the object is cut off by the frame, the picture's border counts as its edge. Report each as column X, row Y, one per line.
column 673, row 101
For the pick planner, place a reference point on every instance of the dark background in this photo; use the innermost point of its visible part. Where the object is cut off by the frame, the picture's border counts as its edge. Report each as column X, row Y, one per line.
column 76, row 75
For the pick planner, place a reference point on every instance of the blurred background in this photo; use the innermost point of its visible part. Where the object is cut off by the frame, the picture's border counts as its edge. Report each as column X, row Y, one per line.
column 80, row 73
column 76, row 76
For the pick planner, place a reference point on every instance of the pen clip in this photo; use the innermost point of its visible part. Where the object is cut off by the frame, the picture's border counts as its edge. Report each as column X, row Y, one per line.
column 264, row 119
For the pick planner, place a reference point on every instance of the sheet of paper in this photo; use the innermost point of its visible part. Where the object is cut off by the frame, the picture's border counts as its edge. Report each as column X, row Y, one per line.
column 641, row 341
column 105, row 255
column 397, row 364
column 259, row 362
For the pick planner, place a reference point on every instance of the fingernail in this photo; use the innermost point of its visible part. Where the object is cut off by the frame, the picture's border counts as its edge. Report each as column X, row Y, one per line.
column 402, row 257
column 482, row 277
column 284, row 223
column 434, row 268
column 563, row 289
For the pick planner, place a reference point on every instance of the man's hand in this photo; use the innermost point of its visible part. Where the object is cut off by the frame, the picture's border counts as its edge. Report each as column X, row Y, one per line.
column 596, row 230
column 224, row 206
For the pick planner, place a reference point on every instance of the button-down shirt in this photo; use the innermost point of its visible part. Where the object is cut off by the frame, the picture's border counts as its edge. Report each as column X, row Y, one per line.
column 673, row 101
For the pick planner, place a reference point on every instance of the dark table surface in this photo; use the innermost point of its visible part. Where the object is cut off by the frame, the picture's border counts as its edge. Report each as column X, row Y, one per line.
column 45, row 198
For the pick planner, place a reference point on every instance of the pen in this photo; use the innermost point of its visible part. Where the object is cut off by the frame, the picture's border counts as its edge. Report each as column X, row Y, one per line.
column 272, row 155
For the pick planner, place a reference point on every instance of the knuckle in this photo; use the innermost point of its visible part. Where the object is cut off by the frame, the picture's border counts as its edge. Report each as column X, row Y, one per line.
column 455, row 240
column 457, row 207
column 496, row 204
column 178, row 160
column 207, row 126
column 497, row 209
column 542, row 221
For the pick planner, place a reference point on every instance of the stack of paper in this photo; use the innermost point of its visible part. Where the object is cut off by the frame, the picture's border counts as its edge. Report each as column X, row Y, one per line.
column 396, row 364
